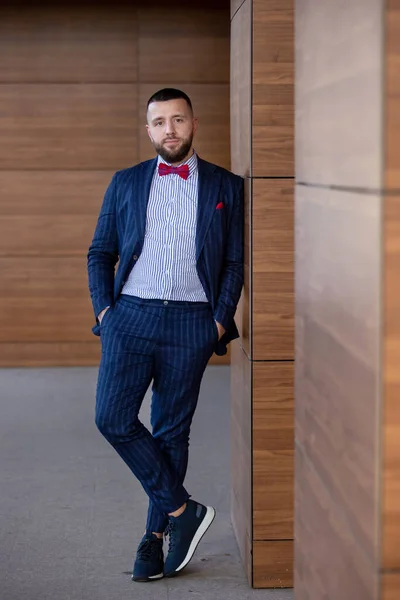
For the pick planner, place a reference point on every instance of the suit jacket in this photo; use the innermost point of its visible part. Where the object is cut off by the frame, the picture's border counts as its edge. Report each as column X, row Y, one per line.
column 120, row 232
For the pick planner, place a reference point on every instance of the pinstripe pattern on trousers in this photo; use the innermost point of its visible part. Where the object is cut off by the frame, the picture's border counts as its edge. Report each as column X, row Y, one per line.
column 169, row 343
column 166, row 268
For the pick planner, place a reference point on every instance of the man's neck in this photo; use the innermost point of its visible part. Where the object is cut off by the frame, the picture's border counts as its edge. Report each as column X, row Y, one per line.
column 177, row 164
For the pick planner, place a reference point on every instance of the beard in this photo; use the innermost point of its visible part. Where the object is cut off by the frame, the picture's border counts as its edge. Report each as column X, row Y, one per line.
column 177, row 155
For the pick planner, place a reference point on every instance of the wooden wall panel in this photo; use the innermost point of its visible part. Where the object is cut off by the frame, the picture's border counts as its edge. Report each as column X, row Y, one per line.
column 273, row 456
column 392, row 99
column 391, row 342
column 391, row 407
column 45, row 193
column 69, row 86
column 241, row 450
column 337, row 350
column 273, row 90
column 273, row 564
column 50, row 235
column 68, row 126
column 55, row 44
column 45, row 300
column 211, row 105
column 273, row 269
column 390, row 586
column 330, row 558
column 338, row 67
column 240, row 94
column 50, row 354
column 205, row 42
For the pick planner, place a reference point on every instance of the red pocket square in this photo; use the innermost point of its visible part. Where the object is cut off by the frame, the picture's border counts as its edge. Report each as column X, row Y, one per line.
column 219, row 206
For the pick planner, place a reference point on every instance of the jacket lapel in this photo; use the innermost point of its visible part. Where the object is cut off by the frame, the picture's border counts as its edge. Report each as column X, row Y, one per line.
column 141, row 192
column 208, row 192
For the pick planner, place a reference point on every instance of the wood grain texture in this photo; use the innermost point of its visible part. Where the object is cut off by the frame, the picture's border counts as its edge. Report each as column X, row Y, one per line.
column 273, row 89
column 50, row 354
column 390, row 586
column 337, row 351
column 339, row 65
column 68, row 126
column 273, row 564
column 243, row 313
column 392, row 95
column 273, row 269
column 240, row 94
column 45, row 300
column 391, row 408
column 273, row 451
column 191, row 47
column 69, row 44
column 330, row 559
column 241, row 449
column 46, row 193
column 211, row 106
column 46, row 235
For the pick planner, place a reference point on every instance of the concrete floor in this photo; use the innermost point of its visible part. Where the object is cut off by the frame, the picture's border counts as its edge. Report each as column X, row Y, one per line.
column 71, row 514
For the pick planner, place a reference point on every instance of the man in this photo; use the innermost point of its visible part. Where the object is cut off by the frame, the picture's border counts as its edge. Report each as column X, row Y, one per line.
column 175, row 223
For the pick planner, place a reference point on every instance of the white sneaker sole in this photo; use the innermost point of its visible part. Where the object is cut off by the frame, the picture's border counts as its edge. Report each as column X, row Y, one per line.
column 152, row 578
column 205, row 524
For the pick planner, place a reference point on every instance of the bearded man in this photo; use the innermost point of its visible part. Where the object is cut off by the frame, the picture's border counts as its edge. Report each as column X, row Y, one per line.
column 175, row 224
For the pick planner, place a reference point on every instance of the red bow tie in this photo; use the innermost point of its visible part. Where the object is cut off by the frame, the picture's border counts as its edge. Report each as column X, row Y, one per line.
column 182, row 171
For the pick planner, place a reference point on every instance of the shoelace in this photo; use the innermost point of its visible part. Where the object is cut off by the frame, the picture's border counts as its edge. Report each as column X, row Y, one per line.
column 147, row 549
column 171, row 527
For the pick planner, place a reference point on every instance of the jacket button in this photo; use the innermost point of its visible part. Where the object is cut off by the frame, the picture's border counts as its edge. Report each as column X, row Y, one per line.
column 135, row 257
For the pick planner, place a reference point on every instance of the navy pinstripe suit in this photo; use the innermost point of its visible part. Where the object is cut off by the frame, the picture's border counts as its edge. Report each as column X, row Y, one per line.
column 168, row 343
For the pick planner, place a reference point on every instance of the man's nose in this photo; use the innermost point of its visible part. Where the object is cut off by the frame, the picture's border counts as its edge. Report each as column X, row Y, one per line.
column 169, row 127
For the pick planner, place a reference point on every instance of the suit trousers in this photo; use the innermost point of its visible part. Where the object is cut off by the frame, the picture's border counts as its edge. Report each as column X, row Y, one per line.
column 168, row 343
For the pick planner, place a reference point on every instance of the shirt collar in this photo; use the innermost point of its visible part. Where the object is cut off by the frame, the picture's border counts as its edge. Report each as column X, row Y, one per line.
column 191, row 163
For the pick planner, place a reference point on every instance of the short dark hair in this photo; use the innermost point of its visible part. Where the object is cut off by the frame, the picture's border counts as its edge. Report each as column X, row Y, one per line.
column 169, row 94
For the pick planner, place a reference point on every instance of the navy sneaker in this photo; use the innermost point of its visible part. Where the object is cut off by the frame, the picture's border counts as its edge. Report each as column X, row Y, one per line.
column 185, row 533
column 149, row 563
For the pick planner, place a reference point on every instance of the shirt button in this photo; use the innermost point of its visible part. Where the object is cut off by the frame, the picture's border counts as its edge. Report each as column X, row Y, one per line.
column 135, row 257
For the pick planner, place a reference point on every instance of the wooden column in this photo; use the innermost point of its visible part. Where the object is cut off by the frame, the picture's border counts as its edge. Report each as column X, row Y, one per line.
column 262, row 42
column 347, row 489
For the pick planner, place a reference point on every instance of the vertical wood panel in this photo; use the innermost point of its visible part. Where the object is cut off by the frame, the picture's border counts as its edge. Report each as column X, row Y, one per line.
column 241, row 449
column 273, row 269
column 273, row 441
column 273, row 89
column 390, row 586
column 330, row 558
column 273, row 564
column 240, row 94
column 391, row 353
column 391, row 407
column 337, row 353
column 339, row 93
column 244, row 310
column 392, row 99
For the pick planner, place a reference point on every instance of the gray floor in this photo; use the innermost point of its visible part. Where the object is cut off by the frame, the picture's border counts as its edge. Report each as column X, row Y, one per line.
column 70, row 512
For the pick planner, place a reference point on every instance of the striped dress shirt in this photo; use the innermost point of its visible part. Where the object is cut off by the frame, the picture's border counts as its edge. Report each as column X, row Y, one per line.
column 166, row 268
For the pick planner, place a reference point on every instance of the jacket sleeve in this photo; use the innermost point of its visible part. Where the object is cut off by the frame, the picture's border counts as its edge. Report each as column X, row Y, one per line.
column 103, row 253
column 232, row 274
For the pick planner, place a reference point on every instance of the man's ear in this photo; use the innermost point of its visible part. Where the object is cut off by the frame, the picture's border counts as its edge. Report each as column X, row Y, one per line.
column 148, row 133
